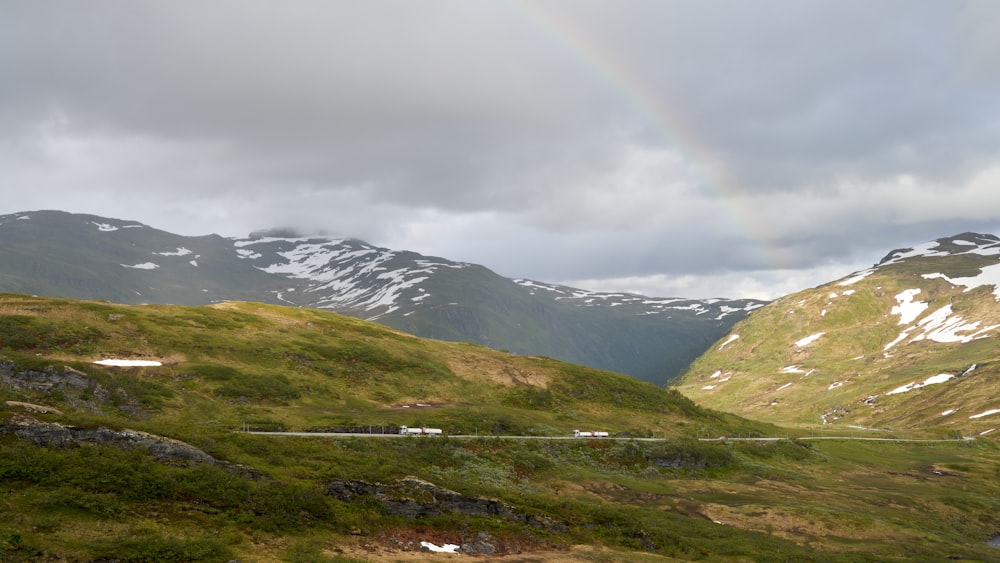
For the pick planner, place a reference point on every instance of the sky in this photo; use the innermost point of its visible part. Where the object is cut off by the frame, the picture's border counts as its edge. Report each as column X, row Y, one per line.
column 673, row 148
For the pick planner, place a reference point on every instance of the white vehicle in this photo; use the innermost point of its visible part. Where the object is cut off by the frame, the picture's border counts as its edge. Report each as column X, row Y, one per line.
column 422, row 431
column 589, row 434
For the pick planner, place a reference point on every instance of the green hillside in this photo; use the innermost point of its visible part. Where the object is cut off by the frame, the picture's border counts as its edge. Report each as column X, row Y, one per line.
column 149, row 463
column 899, row 349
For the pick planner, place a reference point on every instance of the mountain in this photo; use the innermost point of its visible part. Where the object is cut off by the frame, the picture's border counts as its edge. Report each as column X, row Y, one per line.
column 89, row 257
column 908, row 343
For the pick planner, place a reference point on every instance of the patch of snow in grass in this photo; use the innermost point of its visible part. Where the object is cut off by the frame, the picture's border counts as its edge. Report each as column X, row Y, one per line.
column 902, row 336
column 988, row 275
column 907, row 310
column 987, row 413
column 194, row 263
column 949, row 411
column 446, row 548
column 792, row 369
column 857, row 277
column 784, row 386
column 129, row 363
column 848, row 292
column 940, row 326
column 708, row 387
column 985, row 432
column 834, row 385
column 732, row 338
column 932, row 380
column 143, row 266
column 716, row 374
column 808, row 340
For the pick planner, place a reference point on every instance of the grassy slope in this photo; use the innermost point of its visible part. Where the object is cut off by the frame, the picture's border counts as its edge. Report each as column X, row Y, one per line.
column 276, row 367
column 849, row 362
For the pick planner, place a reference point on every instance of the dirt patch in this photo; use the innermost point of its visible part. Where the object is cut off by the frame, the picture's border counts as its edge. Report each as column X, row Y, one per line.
column 33, row 408
column 478, row 367
column 368, row 549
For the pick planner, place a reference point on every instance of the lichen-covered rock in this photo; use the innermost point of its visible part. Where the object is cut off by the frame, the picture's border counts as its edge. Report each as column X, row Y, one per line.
column 415, row 498
column 62, row 436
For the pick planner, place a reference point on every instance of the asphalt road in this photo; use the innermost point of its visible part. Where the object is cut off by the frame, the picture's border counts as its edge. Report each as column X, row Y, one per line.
column 474, row 436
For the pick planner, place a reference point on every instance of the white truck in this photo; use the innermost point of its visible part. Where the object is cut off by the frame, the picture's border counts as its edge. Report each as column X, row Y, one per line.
column 589, row 434
column 422, row 431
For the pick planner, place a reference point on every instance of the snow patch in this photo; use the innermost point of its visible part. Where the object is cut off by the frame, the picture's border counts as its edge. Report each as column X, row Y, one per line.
column 941, row 326
column 792, row 369
column 988, row 275
column 932, row 380
column 949, row 412
column 446, row 548
column 128, row 363
column 104, row 227
column 143, row 266
column 808, row 340
column 858, row 276
column 181, row 251
column 907, row 310
column 986, row 413
column 732, row 338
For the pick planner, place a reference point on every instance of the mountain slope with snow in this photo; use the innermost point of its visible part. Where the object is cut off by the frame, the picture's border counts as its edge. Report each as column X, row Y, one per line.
column 88, row 257
column 908, row 343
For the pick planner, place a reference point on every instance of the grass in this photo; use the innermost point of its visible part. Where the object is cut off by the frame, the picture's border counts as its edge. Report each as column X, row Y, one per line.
column 277, row 368
column 845, row 375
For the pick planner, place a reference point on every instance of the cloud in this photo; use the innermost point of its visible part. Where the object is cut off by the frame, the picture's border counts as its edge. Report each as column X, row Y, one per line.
column 685, row 146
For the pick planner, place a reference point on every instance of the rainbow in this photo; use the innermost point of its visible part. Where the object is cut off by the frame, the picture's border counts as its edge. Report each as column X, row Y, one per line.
column 671, row 126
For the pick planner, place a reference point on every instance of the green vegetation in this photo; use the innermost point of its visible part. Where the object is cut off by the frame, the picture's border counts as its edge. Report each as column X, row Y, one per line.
column 270, row 368
column 861, row 354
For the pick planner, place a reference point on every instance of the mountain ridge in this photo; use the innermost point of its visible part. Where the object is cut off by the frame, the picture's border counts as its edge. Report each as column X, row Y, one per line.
column 90, row 257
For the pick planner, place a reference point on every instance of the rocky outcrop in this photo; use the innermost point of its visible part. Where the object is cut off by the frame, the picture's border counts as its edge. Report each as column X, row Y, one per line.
column 62, row 436
column 414, row 498
column 73, row 386
column 161, row 448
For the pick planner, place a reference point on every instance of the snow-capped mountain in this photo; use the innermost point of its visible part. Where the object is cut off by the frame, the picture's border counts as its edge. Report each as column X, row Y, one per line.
column 88, row 257
column 910, row 342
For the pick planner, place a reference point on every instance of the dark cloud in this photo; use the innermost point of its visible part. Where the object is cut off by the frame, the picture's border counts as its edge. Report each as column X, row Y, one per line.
column 643, row 143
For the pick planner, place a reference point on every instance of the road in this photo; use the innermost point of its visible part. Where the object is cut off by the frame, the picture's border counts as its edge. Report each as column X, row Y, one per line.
column 719, row 439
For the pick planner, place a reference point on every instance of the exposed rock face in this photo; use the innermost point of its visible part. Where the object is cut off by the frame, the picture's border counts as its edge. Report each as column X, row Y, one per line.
column 46, row 380
column 413, row 498
column 161, row 448
column 77, row 388
column 60, row 436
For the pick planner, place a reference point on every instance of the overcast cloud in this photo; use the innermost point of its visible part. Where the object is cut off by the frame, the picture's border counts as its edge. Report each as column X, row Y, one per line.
column 671, row 148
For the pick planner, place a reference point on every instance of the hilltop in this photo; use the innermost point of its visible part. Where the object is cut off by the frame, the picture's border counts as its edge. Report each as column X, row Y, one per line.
column 909, row 344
